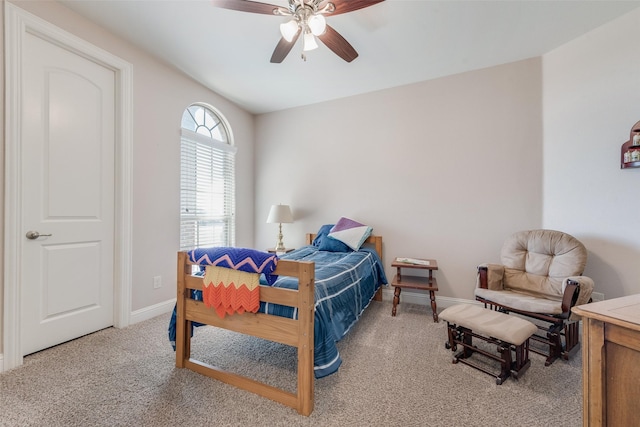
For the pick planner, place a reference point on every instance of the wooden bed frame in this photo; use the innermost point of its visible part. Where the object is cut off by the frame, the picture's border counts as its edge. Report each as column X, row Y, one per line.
column 297, row 333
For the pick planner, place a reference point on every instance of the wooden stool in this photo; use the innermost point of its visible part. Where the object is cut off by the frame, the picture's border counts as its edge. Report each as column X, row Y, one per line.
column 465, row 321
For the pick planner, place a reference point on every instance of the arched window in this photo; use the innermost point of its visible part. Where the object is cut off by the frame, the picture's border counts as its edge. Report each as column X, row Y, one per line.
column 207, row 180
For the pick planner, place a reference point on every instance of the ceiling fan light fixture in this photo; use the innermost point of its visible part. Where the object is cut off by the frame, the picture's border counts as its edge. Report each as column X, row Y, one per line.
column 317, row 24
column 306, row 19
column 309, row 42
column 289, row 29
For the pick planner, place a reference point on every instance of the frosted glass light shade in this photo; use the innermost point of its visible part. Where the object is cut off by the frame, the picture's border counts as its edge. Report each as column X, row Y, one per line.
column 309, row 42
column 289, row 29
column 317, row 24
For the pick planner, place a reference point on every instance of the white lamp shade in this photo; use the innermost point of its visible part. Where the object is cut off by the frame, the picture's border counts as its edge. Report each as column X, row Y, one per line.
column 317, row 24
column 280, row 214
column 309, row 42
column 289, row 29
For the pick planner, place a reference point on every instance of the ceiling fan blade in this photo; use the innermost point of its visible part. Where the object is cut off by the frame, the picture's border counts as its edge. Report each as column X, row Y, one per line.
column 344, row 6
column 283, row 48
column 338, row 44
column 247, row 6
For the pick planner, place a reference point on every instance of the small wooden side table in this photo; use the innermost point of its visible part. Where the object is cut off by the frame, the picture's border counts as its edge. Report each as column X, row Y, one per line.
column 425, row 283
column 273, row 251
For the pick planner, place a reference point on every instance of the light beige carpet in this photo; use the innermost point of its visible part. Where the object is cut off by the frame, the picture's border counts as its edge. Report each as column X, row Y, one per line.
column 396, row 371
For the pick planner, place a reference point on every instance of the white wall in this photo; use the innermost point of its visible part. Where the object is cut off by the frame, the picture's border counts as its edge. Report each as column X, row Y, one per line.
column 447, row 168
column 161, row 94
column 2, row 90
column 591, row 100
column 442, row 169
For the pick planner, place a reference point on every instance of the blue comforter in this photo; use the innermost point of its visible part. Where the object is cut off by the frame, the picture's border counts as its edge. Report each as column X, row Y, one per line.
column 345, row 284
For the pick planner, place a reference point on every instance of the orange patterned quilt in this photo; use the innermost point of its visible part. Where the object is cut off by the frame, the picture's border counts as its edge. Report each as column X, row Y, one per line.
column 231, row 291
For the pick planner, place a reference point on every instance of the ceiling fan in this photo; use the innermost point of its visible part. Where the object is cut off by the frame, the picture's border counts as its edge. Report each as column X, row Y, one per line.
column 308, row 19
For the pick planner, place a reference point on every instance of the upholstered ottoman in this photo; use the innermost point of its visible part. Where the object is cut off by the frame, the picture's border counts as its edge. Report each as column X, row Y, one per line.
column 465, row 321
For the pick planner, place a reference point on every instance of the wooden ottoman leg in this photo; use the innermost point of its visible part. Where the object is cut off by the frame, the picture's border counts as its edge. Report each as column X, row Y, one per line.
column 505, row 364
column 522, row 362
column 465, row 339
column 451, row 335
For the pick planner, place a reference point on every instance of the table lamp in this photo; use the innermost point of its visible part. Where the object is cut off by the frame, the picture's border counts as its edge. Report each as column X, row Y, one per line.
column 280, row 214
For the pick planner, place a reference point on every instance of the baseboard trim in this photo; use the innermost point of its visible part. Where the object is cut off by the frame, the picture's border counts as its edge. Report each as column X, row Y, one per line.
column 166, row 307
column 423, row 299
column 136, row 317
column 387, row 295
column 152, row 311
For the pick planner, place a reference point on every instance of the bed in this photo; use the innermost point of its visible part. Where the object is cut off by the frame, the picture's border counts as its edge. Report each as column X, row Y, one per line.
column 296, row 311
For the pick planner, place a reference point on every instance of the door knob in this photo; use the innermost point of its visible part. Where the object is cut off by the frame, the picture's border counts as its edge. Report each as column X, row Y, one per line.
column 34, row 235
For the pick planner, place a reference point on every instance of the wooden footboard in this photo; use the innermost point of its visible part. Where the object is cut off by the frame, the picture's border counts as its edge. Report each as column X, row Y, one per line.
column 297, row 333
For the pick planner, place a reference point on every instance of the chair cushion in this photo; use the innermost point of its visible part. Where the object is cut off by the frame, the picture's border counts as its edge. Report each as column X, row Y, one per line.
column 521, row 301
column 511, row 329
column 537, row 261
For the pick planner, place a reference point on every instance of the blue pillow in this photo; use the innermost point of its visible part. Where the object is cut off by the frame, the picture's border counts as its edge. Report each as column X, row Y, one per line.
column 324, row 243
column 321, row 234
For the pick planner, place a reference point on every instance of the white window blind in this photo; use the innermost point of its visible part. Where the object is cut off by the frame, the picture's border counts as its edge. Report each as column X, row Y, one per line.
column 207, row 191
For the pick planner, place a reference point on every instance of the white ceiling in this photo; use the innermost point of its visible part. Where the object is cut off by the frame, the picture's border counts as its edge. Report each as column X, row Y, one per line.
column 399, row 42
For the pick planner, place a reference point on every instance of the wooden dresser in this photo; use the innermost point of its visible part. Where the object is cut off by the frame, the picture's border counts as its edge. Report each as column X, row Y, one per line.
column 611, row 362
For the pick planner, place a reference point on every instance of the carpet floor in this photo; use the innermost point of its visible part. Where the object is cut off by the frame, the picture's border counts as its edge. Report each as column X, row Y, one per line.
column 396, row 371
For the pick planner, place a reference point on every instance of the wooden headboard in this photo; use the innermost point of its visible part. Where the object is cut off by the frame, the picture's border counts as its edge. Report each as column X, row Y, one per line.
column 375, row 241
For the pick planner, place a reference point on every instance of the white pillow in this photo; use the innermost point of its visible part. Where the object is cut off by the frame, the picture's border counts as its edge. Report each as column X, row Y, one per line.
column 350, row 232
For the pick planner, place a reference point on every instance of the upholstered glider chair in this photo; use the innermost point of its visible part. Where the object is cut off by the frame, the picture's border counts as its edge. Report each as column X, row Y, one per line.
column 540, row 277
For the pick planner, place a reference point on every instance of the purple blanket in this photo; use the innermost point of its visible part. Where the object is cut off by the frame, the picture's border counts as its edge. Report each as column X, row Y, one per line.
column 248, row 260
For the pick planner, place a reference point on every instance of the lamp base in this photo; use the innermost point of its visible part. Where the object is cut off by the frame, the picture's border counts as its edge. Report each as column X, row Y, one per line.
column 280, row 244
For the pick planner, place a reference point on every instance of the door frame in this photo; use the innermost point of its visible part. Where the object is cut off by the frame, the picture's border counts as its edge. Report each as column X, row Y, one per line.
column 19, row 22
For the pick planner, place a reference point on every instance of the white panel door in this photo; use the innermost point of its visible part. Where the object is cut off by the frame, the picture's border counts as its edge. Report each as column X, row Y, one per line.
column 67, row 162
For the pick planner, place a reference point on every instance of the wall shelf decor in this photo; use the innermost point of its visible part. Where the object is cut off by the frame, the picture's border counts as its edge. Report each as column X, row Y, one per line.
column 630, row 150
